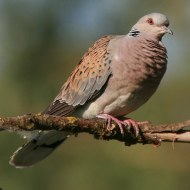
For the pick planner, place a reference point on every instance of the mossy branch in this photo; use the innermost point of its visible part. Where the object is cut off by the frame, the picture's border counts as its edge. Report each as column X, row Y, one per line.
column 149, row 133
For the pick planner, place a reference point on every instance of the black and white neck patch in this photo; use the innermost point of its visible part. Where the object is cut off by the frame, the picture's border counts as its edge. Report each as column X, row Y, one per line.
column 134, row 32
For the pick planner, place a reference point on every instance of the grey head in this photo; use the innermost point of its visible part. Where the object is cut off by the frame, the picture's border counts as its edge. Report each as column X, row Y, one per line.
column 154, row 24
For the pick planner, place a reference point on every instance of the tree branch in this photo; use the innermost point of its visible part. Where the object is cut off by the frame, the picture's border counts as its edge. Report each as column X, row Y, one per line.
column 149, row 133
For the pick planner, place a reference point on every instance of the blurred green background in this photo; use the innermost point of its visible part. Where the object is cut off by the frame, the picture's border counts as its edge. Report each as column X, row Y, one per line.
column 40, row 43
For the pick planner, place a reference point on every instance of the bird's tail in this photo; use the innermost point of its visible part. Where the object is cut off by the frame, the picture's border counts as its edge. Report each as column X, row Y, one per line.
column 38, row 148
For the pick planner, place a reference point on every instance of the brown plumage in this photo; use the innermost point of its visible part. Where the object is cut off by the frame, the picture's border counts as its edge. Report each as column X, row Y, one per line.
column 86, row 81
column 116, row 76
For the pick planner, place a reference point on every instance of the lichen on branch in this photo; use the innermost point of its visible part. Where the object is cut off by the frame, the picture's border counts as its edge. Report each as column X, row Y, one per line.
column 149, row 133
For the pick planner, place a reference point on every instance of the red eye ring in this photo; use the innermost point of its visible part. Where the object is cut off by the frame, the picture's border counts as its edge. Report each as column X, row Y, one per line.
column 150, row 21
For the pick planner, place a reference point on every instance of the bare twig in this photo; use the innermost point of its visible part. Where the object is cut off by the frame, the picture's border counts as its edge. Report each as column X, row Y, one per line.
column 149, row 133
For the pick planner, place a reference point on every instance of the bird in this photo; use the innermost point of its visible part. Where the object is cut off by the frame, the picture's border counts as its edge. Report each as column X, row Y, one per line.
column 116, row 76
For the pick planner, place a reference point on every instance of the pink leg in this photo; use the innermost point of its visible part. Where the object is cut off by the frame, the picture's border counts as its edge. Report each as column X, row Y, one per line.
column 132, row 123
column 125, row 123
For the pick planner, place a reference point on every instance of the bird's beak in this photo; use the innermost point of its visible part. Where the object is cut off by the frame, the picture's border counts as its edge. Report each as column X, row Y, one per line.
column 168, row 30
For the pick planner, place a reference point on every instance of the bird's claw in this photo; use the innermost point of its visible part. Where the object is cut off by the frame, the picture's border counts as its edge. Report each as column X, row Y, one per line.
column 132, row 124
column 127, row 123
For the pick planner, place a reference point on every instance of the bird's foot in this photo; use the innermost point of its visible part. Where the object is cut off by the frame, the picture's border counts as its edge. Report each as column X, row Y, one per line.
column 127, row 123
column 132, row 124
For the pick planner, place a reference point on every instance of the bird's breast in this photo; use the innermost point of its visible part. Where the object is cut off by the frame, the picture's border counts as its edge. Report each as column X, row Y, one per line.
column 137, row 70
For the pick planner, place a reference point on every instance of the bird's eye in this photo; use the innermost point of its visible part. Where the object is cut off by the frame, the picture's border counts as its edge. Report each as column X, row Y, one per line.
column 166, row 24
column 150, row 21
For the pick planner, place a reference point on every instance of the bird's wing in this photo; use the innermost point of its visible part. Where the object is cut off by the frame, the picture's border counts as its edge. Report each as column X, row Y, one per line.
column 87, row 81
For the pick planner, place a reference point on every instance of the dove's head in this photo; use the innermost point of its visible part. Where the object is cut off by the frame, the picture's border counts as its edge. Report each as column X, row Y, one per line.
column 154, row 24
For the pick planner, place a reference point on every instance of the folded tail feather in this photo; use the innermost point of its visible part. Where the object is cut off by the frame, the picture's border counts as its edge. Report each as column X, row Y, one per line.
column 41, row 143
column 38, row 148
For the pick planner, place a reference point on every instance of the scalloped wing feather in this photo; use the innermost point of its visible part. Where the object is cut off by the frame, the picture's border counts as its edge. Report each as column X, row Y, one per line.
column 86, row 81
